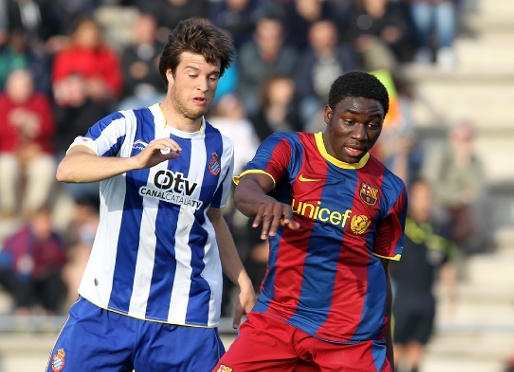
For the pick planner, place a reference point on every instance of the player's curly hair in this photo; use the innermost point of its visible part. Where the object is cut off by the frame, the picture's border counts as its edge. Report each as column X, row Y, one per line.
column 358, row 84
column 198, row 36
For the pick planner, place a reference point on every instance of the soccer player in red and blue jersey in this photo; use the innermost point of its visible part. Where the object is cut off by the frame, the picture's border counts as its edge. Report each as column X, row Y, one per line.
column 334, row 217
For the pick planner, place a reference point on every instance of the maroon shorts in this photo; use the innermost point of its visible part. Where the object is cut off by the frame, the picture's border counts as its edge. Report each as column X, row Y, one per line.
column 266, row 343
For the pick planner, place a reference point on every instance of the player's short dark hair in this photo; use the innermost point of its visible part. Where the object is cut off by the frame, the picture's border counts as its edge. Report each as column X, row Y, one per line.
column 358, row 84
column 198, row 36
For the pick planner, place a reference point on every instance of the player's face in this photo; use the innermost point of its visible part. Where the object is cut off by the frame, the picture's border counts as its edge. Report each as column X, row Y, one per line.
column 352, row 128
column 193, row 86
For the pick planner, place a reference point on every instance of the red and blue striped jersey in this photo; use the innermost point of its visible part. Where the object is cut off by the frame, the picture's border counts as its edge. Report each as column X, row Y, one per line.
column 326, row 278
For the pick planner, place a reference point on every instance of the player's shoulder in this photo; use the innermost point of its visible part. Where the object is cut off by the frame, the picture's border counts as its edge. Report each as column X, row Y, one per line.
column 389, row 179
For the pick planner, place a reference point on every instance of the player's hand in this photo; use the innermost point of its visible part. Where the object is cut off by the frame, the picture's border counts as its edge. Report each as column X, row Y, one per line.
column 244, row 305
column 272, row 215
column 157, row 151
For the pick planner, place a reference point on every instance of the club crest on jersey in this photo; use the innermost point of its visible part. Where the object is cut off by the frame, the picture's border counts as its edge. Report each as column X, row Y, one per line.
column 359, row 224
column 224, row 368
column 58, row 360
column 368, row 194
column 214, row 165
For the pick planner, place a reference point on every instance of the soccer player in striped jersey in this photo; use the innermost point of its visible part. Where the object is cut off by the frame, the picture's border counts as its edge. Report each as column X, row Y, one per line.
column 334, row 217
column 150, row 296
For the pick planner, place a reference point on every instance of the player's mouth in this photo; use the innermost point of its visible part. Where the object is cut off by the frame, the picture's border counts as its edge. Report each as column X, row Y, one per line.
column 200, row 101
column 354, row 151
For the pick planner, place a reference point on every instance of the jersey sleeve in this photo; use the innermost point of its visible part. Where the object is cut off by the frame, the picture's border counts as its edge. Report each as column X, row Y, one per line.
column 390, row 231
column 106, row 136
column 272, row 158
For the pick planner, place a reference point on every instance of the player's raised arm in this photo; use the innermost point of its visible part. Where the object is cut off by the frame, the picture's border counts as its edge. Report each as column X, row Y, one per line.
column 252, row 199
column 82, row 164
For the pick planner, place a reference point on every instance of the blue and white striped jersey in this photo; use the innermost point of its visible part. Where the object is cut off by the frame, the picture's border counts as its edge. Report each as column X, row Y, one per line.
column 155, row 255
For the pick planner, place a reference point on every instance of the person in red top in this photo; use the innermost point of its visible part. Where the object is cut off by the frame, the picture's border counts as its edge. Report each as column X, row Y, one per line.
column 26, row 133
column 90, row 56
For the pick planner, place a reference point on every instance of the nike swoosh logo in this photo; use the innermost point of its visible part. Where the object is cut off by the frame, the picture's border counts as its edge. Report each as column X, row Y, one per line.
column 304, row 179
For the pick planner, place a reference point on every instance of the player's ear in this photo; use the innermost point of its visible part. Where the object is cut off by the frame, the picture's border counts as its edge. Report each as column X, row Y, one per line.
column 169, row 75
column 328, row 114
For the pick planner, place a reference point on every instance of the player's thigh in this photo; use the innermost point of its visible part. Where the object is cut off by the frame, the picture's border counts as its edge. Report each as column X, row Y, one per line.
column 365, row 356
column 93, row 339
column 264, row 343
column 166, row 347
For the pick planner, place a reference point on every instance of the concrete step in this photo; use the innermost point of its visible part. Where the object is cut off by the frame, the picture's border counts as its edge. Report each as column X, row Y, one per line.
column 486, row 52
column 469, row 352
column 489, row 16
column 493, row 270
column 441, row 98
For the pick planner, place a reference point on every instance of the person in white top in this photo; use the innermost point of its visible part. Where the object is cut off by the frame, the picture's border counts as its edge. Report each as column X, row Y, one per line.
column 150, row 297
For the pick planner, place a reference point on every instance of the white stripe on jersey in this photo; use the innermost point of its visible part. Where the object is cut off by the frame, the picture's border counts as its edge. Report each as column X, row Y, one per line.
column 182, row 282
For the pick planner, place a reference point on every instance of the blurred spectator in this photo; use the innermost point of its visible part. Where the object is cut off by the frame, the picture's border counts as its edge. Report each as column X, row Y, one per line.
column 38, row 19
column 16, row 54
column 89, row 55
column 142, row 83
column 26, row 152
column 404, row 156
column 321, row 63
column 427, row 252
column 381, row 31
column 459, row 182
column 4, row 21
column 227, row 83
column 229, row 116
column 80, row 237
column 278, row 111
column 30, row 265
column 435, row 17
column 70, row 11
column 237, row 17
column 298, row 17
column 168, row 13
column 264, row 55
column 73, row 117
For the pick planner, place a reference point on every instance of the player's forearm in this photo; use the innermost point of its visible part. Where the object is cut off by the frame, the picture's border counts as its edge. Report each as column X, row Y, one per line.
column 230, row 260
column 249, row 197
column 84, row 167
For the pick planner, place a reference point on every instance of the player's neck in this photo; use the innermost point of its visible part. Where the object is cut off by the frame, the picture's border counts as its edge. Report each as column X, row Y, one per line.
column 177, row 120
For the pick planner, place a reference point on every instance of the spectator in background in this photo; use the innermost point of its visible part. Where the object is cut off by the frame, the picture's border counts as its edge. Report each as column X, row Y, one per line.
column 74, row 112
column 321, row 63
column 459, row 182
column 80, row 237
column 168, row 13
column 380, row 31
column 427, row 252
column 229, row 117
column 26, row 151
column 237, row 17
column 264, row 55
column 89, row 55
column 38, row 19
column 278, row 111
column 16, row 54
column 142, row 84
column 31, row 261
column 298, row 17
column 4, row 21
column 437, row 17
column 70, row 11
